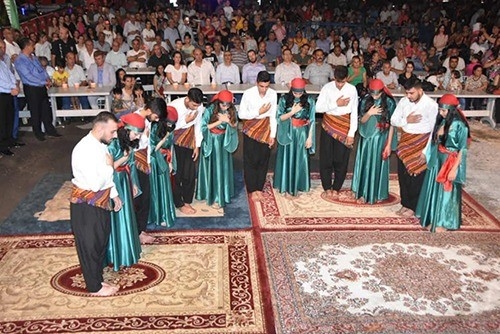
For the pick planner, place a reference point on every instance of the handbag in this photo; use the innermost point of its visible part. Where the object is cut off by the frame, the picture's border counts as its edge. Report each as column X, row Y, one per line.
column 161, row 89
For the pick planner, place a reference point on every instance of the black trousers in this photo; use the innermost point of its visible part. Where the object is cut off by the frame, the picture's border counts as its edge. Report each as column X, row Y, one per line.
column 142, row 202
column 333, row 157
column 6, row 120
column 38, row 104
column 91, row 227
column 409, row 186
column 255, row 163
column 185, row 176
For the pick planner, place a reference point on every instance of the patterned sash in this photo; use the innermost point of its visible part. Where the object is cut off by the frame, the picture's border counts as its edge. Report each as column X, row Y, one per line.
column 141, row 161
column 217, row 131
column 167, row 154
column 258, row 129
column 410, row 148
column 98, row 199
column 298, row 123
column 185, row 137
column 446, row 168
column 337, row 126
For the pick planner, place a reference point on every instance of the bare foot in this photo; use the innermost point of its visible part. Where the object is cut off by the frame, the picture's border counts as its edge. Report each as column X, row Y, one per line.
column 110, row 285
column 254, row 196
column 360, row 200
column 215, row 206
column 105, row 291
column 441, row 229
column 260, row 195
column 145, row 238
column 190, row 207
column 408, row 213
column 187, row 210
column 335, row 195
column 401, row 211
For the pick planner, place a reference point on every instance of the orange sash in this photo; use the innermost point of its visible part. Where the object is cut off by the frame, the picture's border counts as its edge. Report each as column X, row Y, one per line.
column 410, row 148
column 98, row 199
column 337, row 126
column 141, row 161
column 217, row 131
column 258, row 129
column 442, row 176
column 298, row 123
column 185, row 137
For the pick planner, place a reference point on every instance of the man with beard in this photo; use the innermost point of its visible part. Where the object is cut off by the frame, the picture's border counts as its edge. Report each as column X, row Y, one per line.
column 251, row 69
column 93, row 190
column 415, row 114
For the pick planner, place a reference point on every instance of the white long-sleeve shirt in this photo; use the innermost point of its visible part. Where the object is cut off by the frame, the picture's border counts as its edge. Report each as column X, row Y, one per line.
column 226, row 73
column 90, row 168
column 285, row 73
column 201, row 75
column 425, row 106
column 251, row 103
column 182, row 112
column 327, row 103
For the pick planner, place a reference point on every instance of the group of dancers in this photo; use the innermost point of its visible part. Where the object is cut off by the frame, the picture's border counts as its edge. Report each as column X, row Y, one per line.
column 139, row 169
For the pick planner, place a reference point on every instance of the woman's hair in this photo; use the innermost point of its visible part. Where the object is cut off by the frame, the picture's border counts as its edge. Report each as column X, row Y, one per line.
column 290, row 99
column 157, row 72
column 450, row 117
column 118, row 80
column 124, row 139
column 180, row 54
column 231, row 112
column 384, row 116
column 159, row 107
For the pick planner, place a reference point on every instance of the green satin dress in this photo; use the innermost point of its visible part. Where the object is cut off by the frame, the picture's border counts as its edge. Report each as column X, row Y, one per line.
column 215, row 175
column 291, row 171
column 371, row 173
column 162, row 208
column 124, row 247
column 437, row 207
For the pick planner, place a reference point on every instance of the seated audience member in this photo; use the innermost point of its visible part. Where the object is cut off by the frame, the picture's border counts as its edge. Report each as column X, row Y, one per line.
column 227, row 72
column 251, row 69
column 137, row 58
column 388, row 77
column 318, row 72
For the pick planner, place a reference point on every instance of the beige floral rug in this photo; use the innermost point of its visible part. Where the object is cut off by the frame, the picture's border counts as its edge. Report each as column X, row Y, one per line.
column 384, row 282
column 186, row 282
column 311, row 210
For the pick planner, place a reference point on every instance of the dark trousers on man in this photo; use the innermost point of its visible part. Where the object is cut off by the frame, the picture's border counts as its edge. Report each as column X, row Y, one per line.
column 185, row 176
column 38, row 104
column 91, row 226
column 142, row 202
column 6, row 120
column 409, row 186
column 255, row 163
column 333, row 158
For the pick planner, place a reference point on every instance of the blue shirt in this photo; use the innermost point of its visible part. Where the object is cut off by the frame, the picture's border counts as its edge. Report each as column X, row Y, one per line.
column 8, row 81
column 31, row 71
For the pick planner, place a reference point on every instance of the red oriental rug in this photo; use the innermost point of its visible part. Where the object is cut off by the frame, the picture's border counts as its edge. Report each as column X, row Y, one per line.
column 312, row 210
column 384, row 282
column 187, row 282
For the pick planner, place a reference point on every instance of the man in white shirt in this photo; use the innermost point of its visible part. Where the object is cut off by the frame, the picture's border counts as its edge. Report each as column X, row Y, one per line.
column 86, row 56
column 258, row 112
column 251, row 69
column 287, row 70
column 454, row 52
column 200, row 71
column 338, row 101
column 115, row 57
column 187, row 142
column 131, row 29
column 398, row 63
column 12, row 49
column 136, row 57
column 337, row 58
column 93, row 197
column 227, row 72
column 415, row 115
column 388, row 77
column 76, row 76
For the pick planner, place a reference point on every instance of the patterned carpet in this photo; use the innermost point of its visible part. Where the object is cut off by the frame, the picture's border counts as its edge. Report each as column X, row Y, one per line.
column 384, row 282
column 186, row 282
column 312, row 211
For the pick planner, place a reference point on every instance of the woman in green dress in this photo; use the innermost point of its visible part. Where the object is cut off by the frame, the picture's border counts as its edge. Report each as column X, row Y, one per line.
column 162, row 162
column 296, row 139
column 220, row 140
column 440, row 203
column 370, row 182
column 124, row 247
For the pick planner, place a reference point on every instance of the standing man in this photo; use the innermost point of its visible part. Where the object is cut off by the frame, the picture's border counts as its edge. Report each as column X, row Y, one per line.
column 258, row 112
column 187, row 142
column 8, row 90
column 338, row 101
column 35, row 82
column 93, row 189
column 415, row 114
column 62, row 46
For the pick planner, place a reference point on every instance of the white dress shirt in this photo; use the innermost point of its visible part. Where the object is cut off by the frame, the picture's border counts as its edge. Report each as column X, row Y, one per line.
column 90, row 168
column 285, row 73
column 76, row 75
column 183, row 111
column 201, row 75
column 117, row 59
column 327, row 103
column 226, row 73
column 251, row 103
column 138, row 64
column 426, row 107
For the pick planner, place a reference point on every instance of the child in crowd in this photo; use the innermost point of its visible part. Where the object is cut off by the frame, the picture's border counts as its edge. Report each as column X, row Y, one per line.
column 117, row 105
column 455, row 83
column 437, row 78
column 139, row 99
column 60, row 76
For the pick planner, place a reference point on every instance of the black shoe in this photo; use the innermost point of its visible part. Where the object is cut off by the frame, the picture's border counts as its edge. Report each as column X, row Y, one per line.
column 53, row 135
column 40, row 137
column 18, row 144
column 7, row 152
